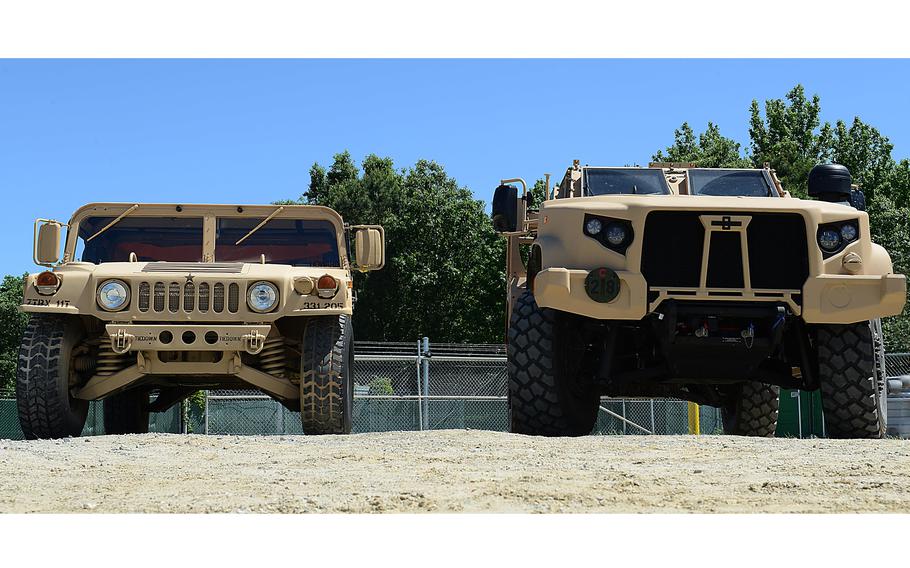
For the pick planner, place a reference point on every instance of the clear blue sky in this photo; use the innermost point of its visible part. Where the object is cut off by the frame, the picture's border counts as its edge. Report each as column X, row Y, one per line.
column 247, row 131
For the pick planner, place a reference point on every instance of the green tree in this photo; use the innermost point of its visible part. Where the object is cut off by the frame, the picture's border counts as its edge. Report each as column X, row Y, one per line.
column 12, row 325
column 444, row 275
column 790, row 137
column 710, row 150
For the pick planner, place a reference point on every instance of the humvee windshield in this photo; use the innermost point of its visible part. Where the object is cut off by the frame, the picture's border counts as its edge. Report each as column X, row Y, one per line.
column 299, row 242
column 175, row 239
column 624, row 181
column 748, row 183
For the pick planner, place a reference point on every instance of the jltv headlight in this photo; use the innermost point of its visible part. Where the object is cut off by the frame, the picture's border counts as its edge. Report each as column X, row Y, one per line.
column 616, row 234
column 829, row 240
column 593, row 226
column 262, row 297
column 113, row 295
column 848, row 232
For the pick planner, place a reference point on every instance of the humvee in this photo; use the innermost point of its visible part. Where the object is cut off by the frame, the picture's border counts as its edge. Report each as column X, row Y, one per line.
column 151, row 302
column 714, row 286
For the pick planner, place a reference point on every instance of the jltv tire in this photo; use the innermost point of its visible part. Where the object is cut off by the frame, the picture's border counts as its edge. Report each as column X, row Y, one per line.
column 546, row 397
column 127, row 412
column 752, row 410
column 851, row 372
column 326, row 382
column 44, row 376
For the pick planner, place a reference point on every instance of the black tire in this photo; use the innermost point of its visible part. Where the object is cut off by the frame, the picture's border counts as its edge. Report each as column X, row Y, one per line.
column 752, row 410
column 851, row 387
column 545, row 395
column 326, row 366
column 46, row 407
column 127, row 412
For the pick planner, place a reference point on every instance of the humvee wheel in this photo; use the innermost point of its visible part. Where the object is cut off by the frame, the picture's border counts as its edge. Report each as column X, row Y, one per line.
column 545, row 398
column 851, row 372
column 326, row 365
column 127, row 412
column 43, row 378
column 752, row 410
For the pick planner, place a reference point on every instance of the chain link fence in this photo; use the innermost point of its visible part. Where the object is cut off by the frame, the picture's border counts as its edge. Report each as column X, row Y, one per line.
column 410, row 386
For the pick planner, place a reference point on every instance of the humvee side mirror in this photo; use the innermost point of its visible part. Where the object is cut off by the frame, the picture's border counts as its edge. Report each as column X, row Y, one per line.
column 47, row 241
column 369, row 247
column 505, row 209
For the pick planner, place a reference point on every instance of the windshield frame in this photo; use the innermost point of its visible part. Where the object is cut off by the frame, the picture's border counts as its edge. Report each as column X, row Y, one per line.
column 660, row 173
column 772, row 187
column 210, row 214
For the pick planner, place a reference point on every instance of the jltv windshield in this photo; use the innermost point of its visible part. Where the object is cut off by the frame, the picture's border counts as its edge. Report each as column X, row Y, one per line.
column 730, row 183
column 624, row 181
column 298, row 242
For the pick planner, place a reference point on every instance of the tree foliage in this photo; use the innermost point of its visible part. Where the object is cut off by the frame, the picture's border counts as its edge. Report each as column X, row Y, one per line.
column 12, row 324
column 445, row 267
column 709, row 150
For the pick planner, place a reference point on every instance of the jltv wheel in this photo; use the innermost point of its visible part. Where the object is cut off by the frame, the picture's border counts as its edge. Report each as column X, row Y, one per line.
column 45, row 377
column 326, row 385
column 546, row 397
column 752, row 410
column 852, row 376
column 127, row 412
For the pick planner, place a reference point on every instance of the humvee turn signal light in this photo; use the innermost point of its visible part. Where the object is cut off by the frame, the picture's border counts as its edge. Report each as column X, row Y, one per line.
column 47, row 283
column 326, row 286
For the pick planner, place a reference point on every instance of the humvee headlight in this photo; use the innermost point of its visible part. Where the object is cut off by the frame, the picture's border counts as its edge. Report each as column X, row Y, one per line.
column 593, row 226
column 848, row 232
column 113, row 295
column 262, row 297
column 829, row 240
column 616, row 234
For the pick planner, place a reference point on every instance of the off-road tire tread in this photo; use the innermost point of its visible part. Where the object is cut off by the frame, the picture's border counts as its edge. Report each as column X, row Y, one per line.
column 756, row 410
column 324, row 380
column 44, row 412
column 534, row 404
column 849, row 391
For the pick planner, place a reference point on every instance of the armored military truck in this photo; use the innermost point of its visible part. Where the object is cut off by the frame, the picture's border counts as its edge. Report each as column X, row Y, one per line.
column 149, row 303
column 714, row 286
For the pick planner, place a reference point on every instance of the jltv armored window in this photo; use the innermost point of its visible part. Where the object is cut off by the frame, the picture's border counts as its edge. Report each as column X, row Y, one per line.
column 719, row 182
column 174, row 239
column 298, row 242
column 624, row 181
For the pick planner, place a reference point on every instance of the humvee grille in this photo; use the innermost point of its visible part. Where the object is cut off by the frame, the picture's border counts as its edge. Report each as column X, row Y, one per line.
column 189, row 297
column 673, row 247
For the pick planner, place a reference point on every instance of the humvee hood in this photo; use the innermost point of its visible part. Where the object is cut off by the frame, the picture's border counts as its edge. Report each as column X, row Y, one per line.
column 165, row 270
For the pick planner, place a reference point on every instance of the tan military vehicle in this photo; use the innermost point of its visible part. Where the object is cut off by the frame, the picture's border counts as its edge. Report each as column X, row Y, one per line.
column 151, row 302
column 709, row 285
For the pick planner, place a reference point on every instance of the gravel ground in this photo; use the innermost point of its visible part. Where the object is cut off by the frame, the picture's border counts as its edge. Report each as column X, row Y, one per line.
column 450, row 471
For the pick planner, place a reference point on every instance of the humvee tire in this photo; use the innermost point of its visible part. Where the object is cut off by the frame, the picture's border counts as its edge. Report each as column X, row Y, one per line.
column 850, row 382
column 752, row 410
column 543, row 398
column 46, row 409
column 127, row 412
column 326, row 365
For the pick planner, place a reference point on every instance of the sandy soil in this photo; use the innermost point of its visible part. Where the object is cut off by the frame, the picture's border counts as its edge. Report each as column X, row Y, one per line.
column 448, row 471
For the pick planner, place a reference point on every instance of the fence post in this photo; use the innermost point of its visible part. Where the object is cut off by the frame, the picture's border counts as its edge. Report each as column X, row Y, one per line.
column 799, row 412
column 426, row 382
column 419, row 388
column 205, row 414
column 694, row 419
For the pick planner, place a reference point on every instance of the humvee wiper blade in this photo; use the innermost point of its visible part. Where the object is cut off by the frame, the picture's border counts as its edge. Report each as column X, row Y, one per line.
column 259, row 226
column 114, row 222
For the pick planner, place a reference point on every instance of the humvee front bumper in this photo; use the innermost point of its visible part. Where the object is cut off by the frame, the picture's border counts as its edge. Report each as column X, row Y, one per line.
column 823, row 299
column 140, row 337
